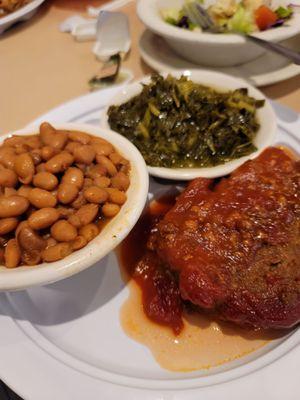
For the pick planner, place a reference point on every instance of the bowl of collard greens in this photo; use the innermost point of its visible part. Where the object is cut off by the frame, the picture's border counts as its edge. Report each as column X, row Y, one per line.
column 193, row 123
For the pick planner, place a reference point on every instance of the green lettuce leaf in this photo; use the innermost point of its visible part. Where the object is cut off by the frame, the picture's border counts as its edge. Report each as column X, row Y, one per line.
column 242, row 21
column 284, row 12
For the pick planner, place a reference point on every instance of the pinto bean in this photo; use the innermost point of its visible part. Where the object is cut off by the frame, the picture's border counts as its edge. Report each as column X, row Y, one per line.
column 71, row 146
column 24, row 167
column 7, row 225
column 65, row 212
column 67, row 193
column 103, row 149
column 56, row 252
column 116, row 196
column 94, row 194
column 73, row 176
column 50, row 242
column 22, row 224
column 24, row 191
column 97, row 139
column 79, row 201
column 63, row 231
column 47, row 131
column 82, row 167
column 45, row 180
column 43, row 218
column 41, row 198
column 79, row 242
column 8, row 178
column 12, row 254
column 29, row 240
column 87, row 183
column 105, row 162
column 8, row 191
column 41, row 167
column 96, row 171
column 13, row 141
column 80, row 137
column 102, row 182
column 120, row 181
column 84, row 154
column 21, row 149
column 59, row 163
column 47, row 152
column 33, row 142
column 87, row 213
column 117, row 159
column 110, row 210
column 89, row 231
column 13, row 206
column 74, row 220
column 36, row 156
column 59, row 140
column 33, row 257
column 7, row 157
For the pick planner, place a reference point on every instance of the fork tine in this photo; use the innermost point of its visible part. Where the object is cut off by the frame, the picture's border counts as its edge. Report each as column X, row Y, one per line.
column 194, row 15
column 205, row 15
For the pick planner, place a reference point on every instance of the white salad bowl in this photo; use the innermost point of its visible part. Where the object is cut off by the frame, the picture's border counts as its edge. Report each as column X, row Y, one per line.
column 111, row 235
column 22, row 14
column 265, row 116
column 210, row 49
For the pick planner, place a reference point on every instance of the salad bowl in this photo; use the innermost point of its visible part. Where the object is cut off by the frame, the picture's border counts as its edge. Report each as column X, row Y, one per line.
column 210, row 49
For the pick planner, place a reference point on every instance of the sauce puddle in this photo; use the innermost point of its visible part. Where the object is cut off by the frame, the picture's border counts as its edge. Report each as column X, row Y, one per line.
column 203, row 343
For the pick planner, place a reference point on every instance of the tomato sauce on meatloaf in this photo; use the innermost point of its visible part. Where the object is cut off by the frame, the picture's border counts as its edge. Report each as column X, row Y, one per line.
column 229, row 246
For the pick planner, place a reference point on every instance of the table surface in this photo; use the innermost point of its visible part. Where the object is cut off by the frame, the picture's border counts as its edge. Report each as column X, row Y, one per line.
column 40, row 67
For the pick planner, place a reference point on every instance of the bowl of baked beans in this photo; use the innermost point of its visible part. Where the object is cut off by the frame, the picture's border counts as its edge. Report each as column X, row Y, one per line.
column 69, row 194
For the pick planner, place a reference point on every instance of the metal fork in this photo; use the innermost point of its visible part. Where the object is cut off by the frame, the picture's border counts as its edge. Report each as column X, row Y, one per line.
column 199, row 16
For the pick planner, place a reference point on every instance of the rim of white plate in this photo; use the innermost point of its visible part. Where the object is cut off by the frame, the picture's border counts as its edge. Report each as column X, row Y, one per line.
column 227, row 372
column 160, row 58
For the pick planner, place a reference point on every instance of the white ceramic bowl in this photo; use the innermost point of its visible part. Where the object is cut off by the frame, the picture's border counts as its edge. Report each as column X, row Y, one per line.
column 22, row 14
column 112, row 234
column 214, row 50
column 265, row 115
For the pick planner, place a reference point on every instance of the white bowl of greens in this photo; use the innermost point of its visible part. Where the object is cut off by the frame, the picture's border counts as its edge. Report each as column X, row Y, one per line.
column 169, row 19
column 178, row 128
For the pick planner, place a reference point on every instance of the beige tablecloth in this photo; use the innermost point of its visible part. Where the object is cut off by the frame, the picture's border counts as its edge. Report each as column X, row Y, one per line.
column 40, row 67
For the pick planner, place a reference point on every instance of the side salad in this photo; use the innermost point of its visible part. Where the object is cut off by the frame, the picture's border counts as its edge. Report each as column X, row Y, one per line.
column 229, row 16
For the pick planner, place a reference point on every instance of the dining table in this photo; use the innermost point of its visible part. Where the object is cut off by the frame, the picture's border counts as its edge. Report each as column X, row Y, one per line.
column 42, row 67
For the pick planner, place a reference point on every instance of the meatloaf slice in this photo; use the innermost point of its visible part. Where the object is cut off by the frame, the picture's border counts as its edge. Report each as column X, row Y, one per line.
column 235, row 243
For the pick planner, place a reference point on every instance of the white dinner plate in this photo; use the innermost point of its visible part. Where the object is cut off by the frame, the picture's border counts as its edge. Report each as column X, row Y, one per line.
column 22, row 14
column 264, row 70
column 65, row 341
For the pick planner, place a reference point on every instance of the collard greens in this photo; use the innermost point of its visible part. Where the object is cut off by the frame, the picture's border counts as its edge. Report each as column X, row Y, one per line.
column 178, row 123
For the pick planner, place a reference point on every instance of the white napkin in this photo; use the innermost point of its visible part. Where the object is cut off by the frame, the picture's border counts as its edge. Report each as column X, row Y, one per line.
column 81, row 29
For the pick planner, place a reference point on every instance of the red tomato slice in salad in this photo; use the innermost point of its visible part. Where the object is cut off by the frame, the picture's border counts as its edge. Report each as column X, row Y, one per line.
column 265, row 17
